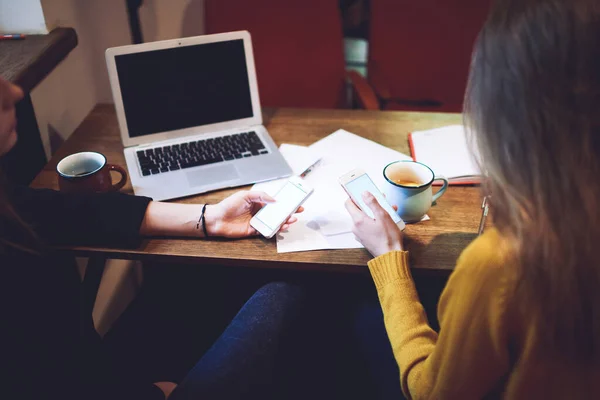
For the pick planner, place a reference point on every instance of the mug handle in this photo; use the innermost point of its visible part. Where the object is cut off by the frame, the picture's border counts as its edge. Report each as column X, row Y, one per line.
column 442, row 189
column 121, row 183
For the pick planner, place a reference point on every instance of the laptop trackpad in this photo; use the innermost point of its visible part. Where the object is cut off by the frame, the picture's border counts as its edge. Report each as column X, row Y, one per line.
column 209, row 176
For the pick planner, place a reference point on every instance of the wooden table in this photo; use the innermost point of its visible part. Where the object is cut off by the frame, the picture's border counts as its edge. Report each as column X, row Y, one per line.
column 434, row 245
column 25, row 63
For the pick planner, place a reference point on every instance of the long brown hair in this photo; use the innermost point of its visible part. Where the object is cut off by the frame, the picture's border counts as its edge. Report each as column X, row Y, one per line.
column 533, row 105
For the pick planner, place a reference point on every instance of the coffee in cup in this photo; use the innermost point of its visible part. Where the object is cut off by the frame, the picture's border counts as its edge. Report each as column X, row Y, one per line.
column 408, row 186
column 409, row 183
column 88, row 172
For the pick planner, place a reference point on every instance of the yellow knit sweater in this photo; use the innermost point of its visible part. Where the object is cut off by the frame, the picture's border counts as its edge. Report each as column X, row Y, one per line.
column 486, row 348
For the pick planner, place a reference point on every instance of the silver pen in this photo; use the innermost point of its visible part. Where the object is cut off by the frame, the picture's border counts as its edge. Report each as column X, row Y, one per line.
column 310, row 169
column 485, row 207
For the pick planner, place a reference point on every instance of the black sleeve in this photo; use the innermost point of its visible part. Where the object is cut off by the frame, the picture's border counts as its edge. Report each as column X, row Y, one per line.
column 108, row 219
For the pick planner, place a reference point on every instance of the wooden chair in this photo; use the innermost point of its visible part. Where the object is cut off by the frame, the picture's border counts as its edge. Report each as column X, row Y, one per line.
column 420, row 53
column 298, row 48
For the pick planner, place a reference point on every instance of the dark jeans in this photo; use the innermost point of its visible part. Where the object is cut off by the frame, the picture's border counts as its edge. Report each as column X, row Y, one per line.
column 252, row 357
column 372, row 343
column 321, row 337
column 375, row 349
column 309, row 341
column 296, row 341
column 267, row 351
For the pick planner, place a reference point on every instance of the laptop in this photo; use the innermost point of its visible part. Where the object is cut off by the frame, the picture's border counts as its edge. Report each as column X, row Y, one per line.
column 190, row 117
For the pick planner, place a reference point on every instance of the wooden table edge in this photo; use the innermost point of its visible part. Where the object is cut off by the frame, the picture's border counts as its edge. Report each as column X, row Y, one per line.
column 208, row 261
column 46, row 61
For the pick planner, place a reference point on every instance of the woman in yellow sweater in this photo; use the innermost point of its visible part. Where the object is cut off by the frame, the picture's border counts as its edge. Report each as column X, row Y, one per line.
column 520, row 315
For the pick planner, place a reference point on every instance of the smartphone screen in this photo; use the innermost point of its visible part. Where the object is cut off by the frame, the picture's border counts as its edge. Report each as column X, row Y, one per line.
column 364, row 184
column 287, row 200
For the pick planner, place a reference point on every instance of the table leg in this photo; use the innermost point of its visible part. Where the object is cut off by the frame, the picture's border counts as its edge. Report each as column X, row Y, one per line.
column 89, row 290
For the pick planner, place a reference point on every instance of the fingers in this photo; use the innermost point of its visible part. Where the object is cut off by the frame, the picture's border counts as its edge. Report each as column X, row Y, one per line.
column 354, row 211
column 286, row 225
column 259, row 197
column 16, row 92
column 394, row 207
column 291, row 220
column 9, row 94
column 299, row 210
column 374, row 205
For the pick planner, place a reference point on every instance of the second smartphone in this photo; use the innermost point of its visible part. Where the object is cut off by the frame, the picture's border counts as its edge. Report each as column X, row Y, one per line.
column 289, row 198
column 356, row 182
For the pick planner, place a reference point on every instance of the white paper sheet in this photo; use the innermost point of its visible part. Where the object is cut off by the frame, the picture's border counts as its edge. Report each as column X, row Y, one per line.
column 325, row 224
column 343, row 147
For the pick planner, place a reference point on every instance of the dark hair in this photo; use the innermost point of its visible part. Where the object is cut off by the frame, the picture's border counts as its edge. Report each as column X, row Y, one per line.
column 533, row 108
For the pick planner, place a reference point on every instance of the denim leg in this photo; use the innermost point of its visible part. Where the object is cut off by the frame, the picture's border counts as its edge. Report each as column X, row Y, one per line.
column 373, row 343
column 375, row 348
column 248, row 357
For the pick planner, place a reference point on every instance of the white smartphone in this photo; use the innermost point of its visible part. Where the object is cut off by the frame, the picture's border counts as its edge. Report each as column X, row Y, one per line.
column 288, row 199
column 356, row 182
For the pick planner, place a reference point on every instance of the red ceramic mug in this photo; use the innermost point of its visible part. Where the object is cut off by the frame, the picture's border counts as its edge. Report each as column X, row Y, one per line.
column 88, row 172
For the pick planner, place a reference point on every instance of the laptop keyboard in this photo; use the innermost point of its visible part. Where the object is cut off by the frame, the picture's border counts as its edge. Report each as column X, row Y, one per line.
column 202, row 152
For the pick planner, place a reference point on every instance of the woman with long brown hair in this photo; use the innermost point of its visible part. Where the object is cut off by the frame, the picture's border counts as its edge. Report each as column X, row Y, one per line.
column 47, row 348
column 520, row 315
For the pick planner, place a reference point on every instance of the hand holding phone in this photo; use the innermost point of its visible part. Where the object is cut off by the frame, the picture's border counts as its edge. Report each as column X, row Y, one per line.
column 287, row 200
column 379, row 236
column 355, row 183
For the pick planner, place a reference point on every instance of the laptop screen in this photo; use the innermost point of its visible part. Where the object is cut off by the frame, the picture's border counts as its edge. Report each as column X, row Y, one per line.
column 184, row 87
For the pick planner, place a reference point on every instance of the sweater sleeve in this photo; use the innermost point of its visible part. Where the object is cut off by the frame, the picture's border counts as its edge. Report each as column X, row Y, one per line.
column 109, row 219
column 469, row 358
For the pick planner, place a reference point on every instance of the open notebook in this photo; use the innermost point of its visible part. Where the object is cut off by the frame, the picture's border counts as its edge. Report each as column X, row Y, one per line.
column 446, row 152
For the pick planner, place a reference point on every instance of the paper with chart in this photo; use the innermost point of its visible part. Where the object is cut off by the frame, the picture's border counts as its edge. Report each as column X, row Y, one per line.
column 325, row 224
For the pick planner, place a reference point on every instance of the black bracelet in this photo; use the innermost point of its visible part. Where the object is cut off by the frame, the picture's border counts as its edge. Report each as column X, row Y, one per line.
column 202, row 220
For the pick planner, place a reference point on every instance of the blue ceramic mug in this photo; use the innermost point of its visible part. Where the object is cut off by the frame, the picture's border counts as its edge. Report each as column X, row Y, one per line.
column 408, row 186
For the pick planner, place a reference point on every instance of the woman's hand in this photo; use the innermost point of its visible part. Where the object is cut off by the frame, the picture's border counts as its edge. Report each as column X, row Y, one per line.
column 231, row 217
column 380, row 235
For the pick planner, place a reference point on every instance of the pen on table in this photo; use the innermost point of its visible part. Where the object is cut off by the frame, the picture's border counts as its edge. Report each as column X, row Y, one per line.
column 12, row 37
column 310, row 168
column 484, row 213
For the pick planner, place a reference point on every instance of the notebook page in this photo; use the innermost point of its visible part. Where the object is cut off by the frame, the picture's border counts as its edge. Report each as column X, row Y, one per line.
column 445, row 151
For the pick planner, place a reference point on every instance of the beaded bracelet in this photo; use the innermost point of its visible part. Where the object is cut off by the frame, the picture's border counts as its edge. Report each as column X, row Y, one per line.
column 202, row 221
